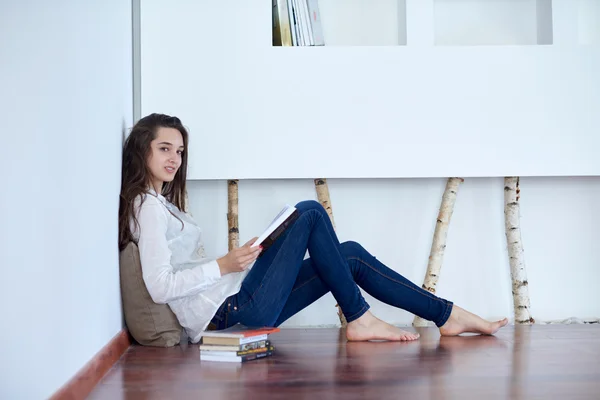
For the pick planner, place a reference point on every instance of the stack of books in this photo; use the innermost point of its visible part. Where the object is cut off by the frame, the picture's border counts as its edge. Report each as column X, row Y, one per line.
column 238, row 343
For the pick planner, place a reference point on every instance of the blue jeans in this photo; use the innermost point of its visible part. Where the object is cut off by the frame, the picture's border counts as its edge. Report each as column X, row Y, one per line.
column 281, row 283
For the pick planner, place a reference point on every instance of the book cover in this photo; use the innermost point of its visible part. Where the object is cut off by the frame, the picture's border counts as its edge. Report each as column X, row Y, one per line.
column 249, row 357
column 282, row 35
column 315, row 22
column 241, row 331
column 232, row 341
column 286, row 217
column 261, row 344
column 217, row 353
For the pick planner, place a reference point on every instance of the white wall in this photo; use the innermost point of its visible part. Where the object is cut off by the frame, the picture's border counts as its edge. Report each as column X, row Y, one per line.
column 395, row 220
column 65, row 98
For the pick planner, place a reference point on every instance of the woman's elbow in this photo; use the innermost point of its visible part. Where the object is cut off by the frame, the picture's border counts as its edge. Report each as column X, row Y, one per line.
column 158, row 297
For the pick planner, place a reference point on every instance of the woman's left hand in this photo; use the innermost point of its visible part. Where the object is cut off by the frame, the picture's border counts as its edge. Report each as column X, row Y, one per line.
column 237, row 260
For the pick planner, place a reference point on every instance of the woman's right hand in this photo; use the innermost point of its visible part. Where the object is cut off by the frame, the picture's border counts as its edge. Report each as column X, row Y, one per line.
column 237, row 260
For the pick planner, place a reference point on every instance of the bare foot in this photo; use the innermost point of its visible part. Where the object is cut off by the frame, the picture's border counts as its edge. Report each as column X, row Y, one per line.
column 368, row 327
column 462, row 321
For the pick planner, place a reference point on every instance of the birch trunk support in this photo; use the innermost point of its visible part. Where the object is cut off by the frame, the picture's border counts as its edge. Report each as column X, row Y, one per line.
column 520, row 286
column 323, row 198
column 438, row 245
column 232, row 214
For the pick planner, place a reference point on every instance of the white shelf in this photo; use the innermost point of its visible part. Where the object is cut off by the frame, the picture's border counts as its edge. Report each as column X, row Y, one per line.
column 413, row 111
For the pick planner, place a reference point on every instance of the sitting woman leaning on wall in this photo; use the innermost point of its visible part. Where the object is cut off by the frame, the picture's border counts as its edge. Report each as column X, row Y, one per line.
column 238, row 287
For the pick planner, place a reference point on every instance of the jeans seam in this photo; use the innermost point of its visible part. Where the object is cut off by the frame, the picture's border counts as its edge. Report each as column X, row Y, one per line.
column 351, row 317
column 446, row 314
column 239, row 308
column 428, row 294
column 305, row 283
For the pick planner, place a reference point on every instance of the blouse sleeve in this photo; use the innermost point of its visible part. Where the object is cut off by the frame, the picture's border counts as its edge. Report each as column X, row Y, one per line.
column 163, row 283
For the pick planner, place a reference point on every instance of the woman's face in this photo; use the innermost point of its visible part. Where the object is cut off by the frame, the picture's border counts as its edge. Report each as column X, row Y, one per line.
column 165, row 156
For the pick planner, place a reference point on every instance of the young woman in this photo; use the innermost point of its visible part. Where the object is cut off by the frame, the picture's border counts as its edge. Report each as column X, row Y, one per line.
column 238, row 287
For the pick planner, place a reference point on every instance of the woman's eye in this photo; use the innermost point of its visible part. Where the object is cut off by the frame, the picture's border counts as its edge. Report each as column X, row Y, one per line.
column 180, row 152
column 164, row 148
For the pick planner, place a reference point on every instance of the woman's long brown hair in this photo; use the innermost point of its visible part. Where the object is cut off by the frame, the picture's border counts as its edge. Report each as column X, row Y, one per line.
column 136, row 177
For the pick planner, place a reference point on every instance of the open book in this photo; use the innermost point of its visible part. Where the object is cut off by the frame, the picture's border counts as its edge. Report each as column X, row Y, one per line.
column 280, row 223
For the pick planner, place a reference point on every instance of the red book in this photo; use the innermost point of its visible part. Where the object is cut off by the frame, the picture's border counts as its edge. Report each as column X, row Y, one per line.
column 240, row 331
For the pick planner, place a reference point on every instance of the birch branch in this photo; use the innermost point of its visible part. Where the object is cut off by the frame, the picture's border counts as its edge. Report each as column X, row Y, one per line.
column 520, row 285
column 438, row 245
column 323, row 198
column 232, row 214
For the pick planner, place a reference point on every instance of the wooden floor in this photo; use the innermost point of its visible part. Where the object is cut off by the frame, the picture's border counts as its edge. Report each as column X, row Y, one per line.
column 524, row 362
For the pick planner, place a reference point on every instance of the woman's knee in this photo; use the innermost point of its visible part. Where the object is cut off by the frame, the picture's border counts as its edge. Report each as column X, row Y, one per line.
column 308, row 205
column 352, row 249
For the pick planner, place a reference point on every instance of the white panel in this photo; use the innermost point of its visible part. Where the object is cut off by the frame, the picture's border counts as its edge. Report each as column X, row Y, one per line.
column 258, row 111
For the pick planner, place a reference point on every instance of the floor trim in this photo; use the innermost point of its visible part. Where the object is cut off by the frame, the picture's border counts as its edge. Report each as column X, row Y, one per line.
column 81, row 385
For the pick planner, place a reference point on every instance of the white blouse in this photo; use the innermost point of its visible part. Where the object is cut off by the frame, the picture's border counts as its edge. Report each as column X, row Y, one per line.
column 175, row 268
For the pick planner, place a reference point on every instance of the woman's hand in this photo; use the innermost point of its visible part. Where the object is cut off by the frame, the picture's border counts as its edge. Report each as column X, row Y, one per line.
column 237, row 260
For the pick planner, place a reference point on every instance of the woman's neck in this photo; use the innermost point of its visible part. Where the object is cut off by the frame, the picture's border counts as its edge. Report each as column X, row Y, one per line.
column 157, row 186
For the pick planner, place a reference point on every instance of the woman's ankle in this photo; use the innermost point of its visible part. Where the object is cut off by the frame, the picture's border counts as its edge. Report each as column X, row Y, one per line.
column 364, row 320
column 364, row 315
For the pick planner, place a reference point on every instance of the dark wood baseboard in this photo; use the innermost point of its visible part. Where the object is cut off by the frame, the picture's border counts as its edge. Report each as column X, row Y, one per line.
column 80, row 386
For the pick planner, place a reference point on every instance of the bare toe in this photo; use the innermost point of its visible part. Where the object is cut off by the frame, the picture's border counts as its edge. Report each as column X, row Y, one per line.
column 497, row 325
column 462, row 321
